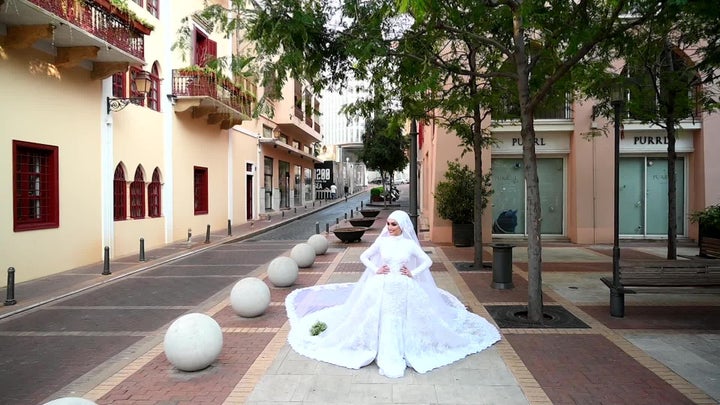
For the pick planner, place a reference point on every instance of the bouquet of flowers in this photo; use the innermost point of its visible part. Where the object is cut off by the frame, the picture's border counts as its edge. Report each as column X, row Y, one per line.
column 318, row 328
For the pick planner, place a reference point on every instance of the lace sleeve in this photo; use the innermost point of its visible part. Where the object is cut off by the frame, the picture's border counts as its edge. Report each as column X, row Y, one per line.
column 423, row 260
column 367, row 255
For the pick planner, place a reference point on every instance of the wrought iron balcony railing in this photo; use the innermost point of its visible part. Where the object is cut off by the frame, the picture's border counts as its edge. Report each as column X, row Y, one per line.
column 199, row 83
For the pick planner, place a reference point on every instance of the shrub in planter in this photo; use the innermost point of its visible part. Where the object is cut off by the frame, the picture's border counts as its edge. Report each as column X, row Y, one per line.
column 376, row 193
column 709, row 223
column 455, row 200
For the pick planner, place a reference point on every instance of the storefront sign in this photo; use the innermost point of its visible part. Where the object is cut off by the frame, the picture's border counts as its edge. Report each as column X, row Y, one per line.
column 546, row 142
column 655, row 141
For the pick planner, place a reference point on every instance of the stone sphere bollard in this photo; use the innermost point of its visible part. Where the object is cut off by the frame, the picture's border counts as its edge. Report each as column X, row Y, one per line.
column 193, row 342
column 250, row 297
column 70, row 401
column 319, row 243
column 282, row 271
column 303, row 254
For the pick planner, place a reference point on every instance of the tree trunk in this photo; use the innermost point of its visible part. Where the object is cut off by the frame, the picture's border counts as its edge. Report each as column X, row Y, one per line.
column 672, row 192
column 532, row 209
column 477, row 151
column 669, row 97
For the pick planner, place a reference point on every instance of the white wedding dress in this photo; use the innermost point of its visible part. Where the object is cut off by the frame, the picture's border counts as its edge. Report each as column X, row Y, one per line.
column 393, row 319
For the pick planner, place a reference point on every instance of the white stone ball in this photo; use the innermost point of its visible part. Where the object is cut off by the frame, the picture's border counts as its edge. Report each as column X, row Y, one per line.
column 303, row 254
column 282, row 271
column 70, row 401
column 319, row 242
column 193, row 342
column 250, row 297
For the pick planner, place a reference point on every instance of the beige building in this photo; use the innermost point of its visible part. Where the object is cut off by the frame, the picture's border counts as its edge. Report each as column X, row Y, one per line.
column 94, row 160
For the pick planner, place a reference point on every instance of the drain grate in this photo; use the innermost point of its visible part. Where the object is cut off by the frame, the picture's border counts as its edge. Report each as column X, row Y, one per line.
column 515, row 316
column 470, row 266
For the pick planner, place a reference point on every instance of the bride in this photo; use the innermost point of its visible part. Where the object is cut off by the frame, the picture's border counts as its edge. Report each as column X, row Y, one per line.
column 394, row 315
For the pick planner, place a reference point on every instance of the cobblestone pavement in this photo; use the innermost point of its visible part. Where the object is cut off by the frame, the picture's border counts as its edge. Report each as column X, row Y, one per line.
column 100, row 337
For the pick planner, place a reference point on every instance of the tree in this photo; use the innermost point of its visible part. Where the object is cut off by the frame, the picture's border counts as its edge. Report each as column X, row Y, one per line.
column 450, row 60
column 384, row 147
column 669, row 68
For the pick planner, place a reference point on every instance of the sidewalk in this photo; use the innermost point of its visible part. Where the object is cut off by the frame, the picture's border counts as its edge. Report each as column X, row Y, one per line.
column 663, row 352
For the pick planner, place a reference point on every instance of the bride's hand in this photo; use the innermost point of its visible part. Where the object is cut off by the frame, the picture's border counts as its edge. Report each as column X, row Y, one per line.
column 383, row 270
column 406, row 272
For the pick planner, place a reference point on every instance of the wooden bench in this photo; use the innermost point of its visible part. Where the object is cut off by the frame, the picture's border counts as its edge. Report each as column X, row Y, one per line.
column 696, row 276
column 667, row 276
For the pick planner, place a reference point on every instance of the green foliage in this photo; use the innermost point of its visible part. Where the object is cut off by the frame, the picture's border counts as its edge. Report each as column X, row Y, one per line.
column 709, row 217
column 318, row 328
column 384, row 145
column 455, row 196
column 376, row 191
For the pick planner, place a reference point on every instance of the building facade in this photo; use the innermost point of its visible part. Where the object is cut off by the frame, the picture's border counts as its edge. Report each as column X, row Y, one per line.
column 575, row 174
column 96, row 164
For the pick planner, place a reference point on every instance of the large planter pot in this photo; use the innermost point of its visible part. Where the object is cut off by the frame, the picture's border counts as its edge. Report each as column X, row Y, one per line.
column 364, row 222
column 350, row 234
column 369, row 213
column 463, row 234
column 709, row 241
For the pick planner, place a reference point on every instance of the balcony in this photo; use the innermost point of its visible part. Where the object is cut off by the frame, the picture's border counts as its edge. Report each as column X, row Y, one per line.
column 219, row 99
column 76, row 31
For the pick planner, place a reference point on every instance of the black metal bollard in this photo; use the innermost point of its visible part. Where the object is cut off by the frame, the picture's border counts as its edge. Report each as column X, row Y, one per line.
column 313, row 204
column 294, row 210
column 10, row 297
column 337, row 221
column 189, row 234
column 351, row 214
column 327, row 227
column 207, row 234
column 282, row 214
column 106, row 261
column 142, row 250
column 345, row 214
column 361, row 204
column 317, row 227
column 229, row 228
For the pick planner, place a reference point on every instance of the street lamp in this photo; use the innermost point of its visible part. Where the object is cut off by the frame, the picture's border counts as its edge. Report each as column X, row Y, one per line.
column 617, row 297
column 142, row 82
column 413, row 174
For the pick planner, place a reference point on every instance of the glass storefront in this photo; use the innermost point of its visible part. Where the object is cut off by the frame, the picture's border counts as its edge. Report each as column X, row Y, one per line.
column 643, row 196
column 509, row 196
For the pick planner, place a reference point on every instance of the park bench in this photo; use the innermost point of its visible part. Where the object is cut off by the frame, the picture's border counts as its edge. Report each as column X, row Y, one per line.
column 667, row 276
column 696, row 276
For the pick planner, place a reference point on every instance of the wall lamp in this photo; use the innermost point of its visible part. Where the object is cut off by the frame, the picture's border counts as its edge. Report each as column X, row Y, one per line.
column 142, row 81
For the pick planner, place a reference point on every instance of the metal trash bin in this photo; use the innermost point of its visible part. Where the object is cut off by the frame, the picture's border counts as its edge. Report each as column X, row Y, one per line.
column 502, row 266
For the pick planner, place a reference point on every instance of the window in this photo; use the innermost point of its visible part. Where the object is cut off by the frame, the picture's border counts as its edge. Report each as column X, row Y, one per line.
column 201, row 190
column 205, row 49
column 36, row 187
column 133, row 88
column 267, row 132
column 152, row 7
column 137, row 195
column 118, row 84
column 153, row 96
column 154, row 195
column 119, row 194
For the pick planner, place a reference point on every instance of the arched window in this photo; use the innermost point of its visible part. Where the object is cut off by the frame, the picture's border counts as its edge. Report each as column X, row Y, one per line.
column 154, row 195
column 119, row 194
column 137, row 195
column 153, row 97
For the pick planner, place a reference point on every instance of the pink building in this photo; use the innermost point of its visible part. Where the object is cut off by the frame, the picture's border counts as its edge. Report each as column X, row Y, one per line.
column 576, row 177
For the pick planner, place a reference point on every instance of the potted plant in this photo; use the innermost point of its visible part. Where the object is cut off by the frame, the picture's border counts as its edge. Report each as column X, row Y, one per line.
column 455, row 201
column 708, row 221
